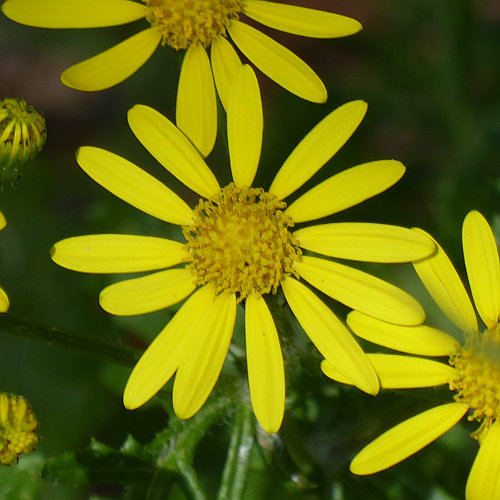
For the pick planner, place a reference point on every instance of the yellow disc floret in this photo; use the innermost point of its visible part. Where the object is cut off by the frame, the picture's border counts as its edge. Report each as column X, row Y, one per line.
column 183, row 22
column 17, row 428
column 240, row 242
column 477, row 381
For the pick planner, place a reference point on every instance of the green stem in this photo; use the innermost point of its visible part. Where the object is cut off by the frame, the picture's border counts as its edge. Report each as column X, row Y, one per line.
column 190, row 482
column 75, row 341
column 234, row 477
column 174, row 448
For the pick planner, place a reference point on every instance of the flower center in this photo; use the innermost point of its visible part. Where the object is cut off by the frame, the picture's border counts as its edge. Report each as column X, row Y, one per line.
column 17, row 428
column 477, row 381
column 241, row 242
column 183, row 22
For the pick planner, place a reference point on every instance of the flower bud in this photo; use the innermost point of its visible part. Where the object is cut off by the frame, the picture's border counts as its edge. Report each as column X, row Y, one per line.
column 17, row 428
column 22, row 136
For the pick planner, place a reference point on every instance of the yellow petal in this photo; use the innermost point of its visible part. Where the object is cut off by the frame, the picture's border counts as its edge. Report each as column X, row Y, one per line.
column 365, row 242
column 133, row 185
column 3, row 222
column 399, row 372
column 301, row 20
column 147, row 293
column 317, row 148
column 196, row 108
column 330, row 370
column 117, row 253
column 73, row 13
column 113, row 65
column 483, row 267
column 407, row 372
column 422, row 339
column 361, row 291
column 162, row 357
column 484, row 477
column 266, row 375
column 4, row 301
column 172, row 149
column 245, row 124
column 346, row 189
column 205, row 353
column 225, row 63
column 407, row 438
column 330, row 336
column 444, row 285
column 278, row 63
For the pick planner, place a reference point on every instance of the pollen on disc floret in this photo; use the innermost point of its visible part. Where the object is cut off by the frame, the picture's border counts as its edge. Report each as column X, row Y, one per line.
column 183, row 22
column 477, row 381
column 240, row 242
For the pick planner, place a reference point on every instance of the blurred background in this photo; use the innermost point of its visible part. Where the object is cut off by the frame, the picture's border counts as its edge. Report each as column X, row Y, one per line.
column 429, row 72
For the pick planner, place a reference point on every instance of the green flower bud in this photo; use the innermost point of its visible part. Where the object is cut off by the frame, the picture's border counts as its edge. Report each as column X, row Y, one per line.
column 22, row 136
column 18, row 427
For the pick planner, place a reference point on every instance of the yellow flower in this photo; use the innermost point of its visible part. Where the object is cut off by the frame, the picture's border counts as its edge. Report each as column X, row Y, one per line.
column 191, row 25
column 240, row 246
column 4, row 300
column 18, row 427
column 22, row 136
column 473, row 372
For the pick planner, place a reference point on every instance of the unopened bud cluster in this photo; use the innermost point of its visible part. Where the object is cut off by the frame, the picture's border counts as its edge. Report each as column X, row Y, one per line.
column 22, row 136
column 18, row 427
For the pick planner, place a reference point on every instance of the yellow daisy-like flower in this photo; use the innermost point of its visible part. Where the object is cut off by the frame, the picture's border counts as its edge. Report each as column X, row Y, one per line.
column 240, row 246
column 473, row 372
column 4, row 300
column 193, row 25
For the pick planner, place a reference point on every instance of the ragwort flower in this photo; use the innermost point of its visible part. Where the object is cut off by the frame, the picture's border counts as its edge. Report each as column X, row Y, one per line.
column 4, row 300
column 239, row 247
column 473, row 372
column 192, row 25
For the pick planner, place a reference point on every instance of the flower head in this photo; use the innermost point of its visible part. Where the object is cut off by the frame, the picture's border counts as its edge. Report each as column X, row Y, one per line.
column 240, row 246
column 194, row 26
column 18, row 427
column 472, row 372
column 22, row 136
column 4, row 300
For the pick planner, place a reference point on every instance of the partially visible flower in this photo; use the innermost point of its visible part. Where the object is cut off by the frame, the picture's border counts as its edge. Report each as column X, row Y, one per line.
column 18, row 427
column 22, row 136
column 4, row 300
column 195, row 26
column 239, row 247
column 473, row 370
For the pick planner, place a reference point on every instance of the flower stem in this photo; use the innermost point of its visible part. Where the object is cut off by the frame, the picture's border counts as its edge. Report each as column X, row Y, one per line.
column 234, row 477
column 75, row 341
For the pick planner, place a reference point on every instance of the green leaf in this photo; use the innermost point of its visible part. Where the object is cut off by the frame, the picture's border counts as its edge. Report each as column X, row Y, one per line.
column 21, row 481
column 101, row 464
